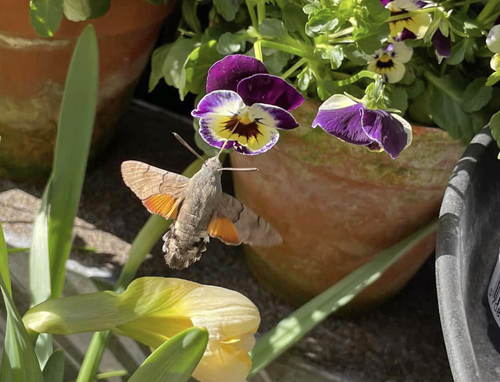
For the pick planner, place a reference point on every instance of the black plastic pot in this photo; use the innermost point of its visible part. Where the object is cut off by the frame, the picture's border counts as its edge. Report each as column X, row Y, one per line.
column 467, row 250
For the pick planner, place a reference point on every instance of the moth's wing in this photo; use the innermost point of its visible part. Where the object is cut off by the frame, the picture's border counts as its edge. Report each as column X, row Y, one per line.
column 160, row 191
column 234, row 223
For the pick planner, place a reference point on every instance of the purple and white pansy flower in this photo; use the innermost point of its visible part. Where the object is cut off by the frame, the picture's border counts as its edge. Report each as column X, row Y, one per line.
column 355, row 123
column 245, row 106
column 442, row 44
column 389, row 62
column 409, row 26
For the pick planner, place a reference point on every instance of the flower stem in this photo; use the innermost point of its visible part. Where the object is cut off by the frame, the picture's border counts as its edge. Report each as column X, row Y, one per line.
column 341, row 33
column 284, row 48
column 487, row 10
column 93, row 357
column 293, row 68
column 358, row 76
column 261, row 15
column 252, row 14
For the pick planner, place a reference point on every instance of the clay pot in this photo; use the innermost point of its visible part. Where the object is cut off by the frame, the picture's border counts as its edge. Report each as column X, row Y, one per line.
column 33, row 71
column 337, row 205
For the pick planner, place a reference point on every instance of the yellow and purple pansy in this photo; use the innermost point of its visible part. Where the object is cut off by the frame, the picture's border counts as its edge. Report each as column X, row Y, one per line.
column 245, row 106
column 357, row 124
column 389, row 62
column 413, row 26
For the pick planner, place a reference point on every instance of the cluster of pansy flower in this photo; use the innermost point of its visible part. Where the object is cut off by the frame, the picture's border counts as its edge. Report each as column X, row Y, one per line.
column 245, row 106
column 389, row 62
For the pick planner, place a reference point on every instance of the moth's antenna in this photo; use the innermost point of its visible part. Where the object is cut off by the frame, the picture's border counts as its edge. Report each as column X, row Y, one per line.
column 225, row 142
column 238, row 169
column 186, row 145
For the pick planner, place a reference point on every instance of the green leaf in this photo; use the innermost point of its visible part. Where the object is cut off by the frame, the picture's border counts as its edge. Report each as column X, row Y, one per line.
column 46, row 16
column 354, row 55
column 74, row 135
column 398, row 99
column 231, row 43
column 175, row 360
column 415, row 89
column 448, row 114
column 77, row 10
column 291, row 329
column 495, row 128
column 294, row 19
column 19, row 362
column 189, row 8
column 157, row 62
column 54, row 368
column 227, row 8
column 476, row 96
column 274, row 28
column 99, row 8
column 460, row 51
column 376, row 11
column 493, row 79
column 304, row 78
column 334, row 54
column 275, row 60
column 321, row 22
column 173, row 68
column 197, row 65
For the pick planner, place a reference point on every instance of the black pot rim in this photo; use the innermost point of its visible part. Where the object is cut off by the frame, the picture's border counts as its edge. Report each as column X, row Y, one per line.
column 448, row 267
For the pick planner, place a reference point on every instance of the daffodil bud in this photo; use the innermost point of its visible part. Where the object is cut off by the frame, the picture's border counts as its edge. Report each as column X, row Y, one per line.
column 154, row 309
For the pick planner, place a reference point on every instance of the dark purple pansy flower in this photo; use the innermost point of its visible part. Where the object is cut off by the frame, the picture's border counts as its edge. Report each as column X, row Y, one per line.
column 442, row 45
column 245, row 106
column 354, row 123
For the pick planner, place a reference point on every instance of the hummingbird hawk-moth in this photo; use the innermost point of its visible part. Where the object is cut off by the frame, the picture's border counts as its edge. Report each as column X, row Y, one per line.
column 199, row 208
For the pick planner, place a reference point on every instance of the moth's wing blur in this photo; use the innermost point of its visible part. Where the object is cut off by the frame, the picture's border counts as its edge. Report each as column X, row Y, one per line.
column 234, row 223
column 159, row 190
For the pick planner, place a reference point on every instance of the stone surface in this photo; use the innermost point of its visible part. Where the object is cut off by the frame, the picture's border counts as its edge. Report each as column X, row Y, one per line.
column 400, row 341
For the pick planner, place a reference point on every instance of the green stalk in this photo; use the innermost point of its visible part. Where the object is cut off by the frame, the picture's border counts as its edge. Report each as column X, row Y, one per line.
column 147, row 237
column 293, row 68
column 251, row 12
column 341, row 33
column 486, row 11
column 283, row 47
column 363, row 74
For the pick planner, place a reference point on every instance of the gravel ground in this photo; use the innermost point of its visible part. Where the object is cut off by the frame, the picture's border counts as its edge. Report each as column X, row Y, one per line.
column 400, row 341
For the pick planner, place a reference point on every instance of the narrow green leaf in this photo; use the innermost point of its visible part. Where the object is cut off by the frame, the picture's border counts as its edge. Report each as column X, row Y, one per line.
column 157, row 61
column 493, row 79
column 189, row 8
column 175, row 360
column 4, row 263
column 19, row 362
column 295, row 326
column 54, row 368
column 495, row 128
column 76, row 124
column 45, row 16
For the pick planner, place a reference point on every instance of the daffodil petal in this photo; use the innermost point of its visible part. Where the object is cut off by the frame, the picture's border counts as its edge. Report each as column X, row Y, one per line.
column 223, row 363
column 220, row 102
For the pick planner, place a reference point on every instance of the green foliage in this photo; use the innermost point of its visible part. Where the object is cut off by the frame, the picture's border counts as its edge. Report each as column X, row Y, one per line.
column 189, row 8
column 54, row 368
column 46, row 16
column 291, row 329
column 197, row 65
column 175, row 360
column 495, row 128
column 476, row 96
column 19, row 361
column 99, row 8
column 227, row 8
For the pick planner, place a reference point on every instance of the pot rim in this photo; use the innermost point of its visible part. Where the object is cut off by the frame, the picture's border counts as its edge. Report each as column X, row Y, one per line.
column 449, row 270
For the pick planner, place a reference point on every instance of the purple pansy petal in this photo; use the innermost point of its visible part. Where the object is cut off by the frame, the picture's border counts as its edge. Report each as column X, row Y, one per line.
column 406, row 35
column 344, row 123
column 272, row 116
column 225, row 74
column 385, row 2
column 271, row 90
column 383, row 128
column 222, row 102
column 442, row 44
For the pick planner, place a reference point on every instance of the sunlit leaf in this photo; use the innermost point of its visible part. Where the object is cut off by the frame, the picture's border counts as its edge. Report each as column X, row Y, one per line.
column 175, row 360
column 46, row 16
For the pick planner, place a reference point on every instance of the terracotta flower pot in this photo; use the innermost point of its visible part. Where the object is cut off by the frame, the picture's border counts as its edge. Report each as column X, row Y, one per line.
column 338, row 205
column 33, row 71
